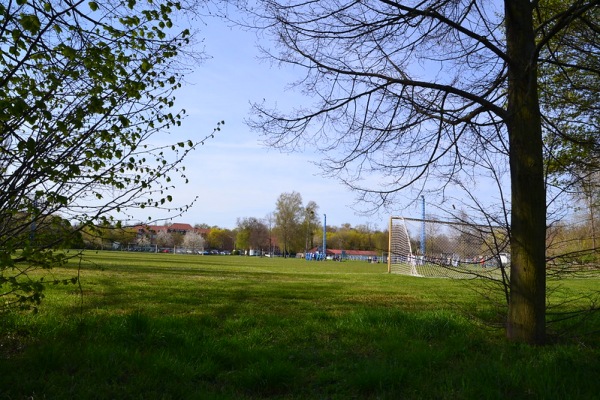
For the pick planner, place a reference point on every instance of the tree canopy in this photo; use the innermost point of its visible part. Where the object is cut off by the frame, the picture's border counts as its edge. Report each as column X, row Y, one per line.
column 252, row 234
column 289, row 216
column 86, row 104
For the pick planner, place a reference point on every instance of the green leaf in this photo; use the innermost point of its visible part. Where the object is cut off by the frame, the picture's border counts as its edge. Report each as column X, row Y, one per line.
column 93, row 5
column 30, row 22
column 31, row 145
column 145, row 67
column 19, row 106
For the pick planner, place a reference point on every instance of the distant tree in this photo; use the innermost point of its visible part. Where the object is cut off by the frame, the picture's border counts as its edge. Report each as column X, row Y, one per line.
column 95, row 237
column 143, row 241
column 252, row 234
column 52, row 230
column 366, row 232
column 361, row 237
column 289, row 215
column 242, row 238
column 381, row 240
column 121, row 235
column 349, row 238
column 193, row 241
column 164, row 239
column 221, row 239
column 311, row 222
column 178, row 238
column 340, row 238
column 270, row 221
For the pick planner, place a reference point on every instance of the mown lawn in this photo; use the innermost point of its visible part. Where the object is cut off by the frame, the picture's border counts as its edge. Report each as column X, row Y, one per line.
column 165, row 326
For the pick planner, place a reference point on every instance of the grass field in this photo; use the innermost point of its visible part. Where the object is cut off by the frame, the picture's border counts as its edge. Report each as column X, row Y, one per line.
column 166, row 326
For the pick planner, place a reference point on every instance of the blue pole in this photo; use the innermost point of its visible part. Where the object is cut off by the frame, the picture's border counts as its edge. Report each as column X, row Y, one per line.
column 324, row 236
column 423, row 227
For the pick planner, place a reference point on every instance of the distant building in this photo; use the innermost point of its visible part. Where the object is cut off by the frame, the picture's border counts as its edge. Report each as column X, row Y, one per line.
column 151, row 231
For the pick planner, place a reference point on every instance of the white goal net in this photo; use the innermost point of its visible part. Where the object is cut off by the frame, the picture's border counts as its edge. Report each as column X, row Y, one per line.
column 444, row 249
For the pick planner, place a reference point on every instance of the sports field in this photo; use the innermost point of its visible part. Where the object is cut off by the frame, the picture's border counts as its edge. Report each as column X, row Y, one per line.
column 170, row 326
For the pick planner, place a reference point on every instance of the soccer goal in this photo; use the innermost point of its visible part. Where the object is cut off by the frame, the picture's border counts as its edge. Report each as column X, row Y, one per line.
column 445, row 249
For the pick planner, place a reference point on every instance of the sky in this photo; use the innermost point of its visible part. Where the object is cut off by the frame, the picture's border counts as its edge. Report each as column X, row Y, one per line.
column 233, row 174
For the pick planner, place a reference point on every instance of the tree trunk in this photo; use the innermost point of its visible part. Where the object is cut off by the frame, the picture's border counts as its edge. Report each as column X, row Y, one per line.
column 588, row 191
column 527, row 304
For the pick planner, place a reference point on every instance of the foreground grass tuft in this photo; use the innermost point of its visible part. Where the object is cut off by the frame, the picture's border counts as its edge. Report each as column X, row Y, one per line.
column 184, row 327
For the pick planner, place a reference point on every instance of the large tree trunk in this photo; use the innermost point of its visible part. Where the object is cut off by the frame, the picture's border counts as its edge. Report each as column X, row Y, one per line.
column 527, row 304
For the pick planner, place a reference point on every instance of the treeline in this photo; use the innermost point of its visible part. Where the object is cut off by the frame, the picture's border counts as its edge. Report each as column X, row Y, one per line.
column 574, row 242
column 249, row 234
column 293, row 227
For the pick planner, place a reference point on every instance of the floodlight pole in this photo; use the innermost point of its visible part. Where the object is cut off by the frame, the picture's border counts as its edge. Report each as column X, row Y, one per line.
column 309, row 215
column 324, row 237
column 423, row 227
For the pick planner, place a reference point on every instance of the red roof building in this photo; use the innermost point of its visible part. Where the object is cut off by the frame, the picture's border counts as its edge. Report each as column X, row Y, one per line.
column 152, row 230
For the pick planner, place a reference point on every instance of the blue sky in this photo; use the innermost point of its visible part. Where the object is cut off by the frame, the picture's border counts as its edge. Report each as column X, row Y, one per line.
column 233, row 174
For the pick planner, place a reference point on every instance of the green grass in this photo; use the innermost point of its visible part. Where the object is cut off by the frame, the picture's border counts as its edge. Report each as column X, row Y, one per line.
column 146, row 326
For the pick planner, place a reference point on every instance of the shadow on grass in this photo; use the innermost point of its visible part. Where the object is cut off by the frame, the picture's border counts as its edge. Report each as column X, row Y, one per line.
column 362, row 353
column 239, row 331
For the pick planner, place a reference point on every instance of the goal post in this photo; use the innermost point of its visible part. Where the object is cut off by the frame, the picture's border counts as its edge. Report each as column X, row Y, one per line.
column 434, row 248
column 401, row 258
